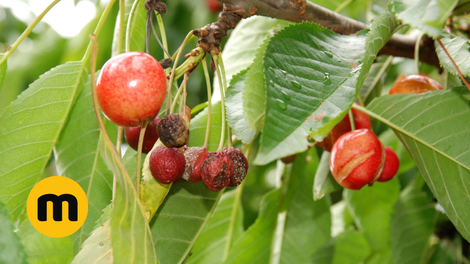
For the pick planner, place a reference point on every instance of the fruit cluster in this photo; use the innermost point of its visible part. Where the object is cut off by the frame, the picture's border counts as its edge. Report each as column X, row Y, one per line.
column 130, row 89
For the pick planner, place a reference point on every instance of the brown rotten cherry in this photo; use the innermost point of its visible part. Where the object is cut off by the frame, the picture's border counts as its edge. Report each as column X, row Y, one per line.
column 357, row 159
column 173, row 129
column 130, row 88
column 150, row 137
column 167, row 164
column 240, row 166
column 216, row 170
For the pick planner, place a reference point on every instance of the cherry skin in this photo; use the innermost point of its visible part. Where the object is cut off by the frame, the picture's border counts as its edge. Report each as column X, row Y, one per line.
column 361, row 121
column 131, row 87
column 214, row 6
column 414, row 84
column 167, row 164
column 390, row 166
column 150, row 137
column 357, row 159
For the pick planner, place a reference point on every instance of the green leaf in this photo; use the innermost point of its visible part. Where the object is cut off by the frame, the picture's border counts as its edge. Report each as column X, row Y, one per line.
column 308, row 86
column 197, row 128
column 234, row 104
column 180, row 219
column 428, row 15
column 11, row 249
column 97, row 247
column 3, row 71
column 433, row 127
column 255, row 244
column 130, row 234
column 30, row 127
column 136, row 29
column 212, row 243
column 308, row 222
column 458, row 48
column 77, row 157
column 380, row 200
column 349, row 247
column 324, row 183
column 412, row 225
column 374, row 81
column 43, row 249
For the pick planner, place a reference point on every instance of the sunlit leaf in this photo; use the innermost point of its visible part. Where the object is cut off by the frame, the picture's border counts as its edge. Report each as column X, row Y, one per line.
column 11, row 249
column 30, row 127
column 459, row 50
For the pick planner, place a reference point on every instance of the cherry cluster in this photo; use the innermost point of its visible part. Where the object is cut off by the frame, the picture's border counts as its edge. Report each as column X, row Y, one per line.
column 130, row 89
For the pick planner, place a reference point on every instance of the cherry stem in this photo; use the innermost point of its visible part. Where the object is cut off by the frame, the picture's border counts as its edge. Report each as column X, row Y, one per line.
column 173, row 105
column 172, row 76
column 166, row 54
column 161, row 26
column 417, row 46
column 453, row 62
column 118, row 149
column 128, row 29
column 147, row 32
column 139, row 154
column 222, row 100
column 185, row 82
column 122, row 10
column 351, row 120
column 209, row 102
column 224, row 79
column 28, row 30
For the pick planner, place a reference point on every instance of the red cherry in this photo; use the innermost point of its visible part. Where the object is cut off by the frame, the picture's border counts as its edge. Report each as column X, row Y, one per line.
column 357, row 159
column 414, row 84
column 214, row 6
column 390, row 166
column 191, row 155
column 150, row 137
column 167, row 164
column 130, row 88
column 195, row 175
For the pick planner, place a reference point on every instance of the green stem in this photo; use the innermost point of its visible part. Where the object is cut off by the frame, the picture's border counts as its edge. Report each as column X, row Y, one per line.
column 236, row 205
column 139, row 154
column 28, row 30
column 209, row 101
column 341, row 7
column 173, row 105
column 122, row 10
column 128, row 29
column 418, row 41
column 98, row 28
column 118, row 149
column 224, row 79
column 161, row 26
column 351, row 120
column 222, row 101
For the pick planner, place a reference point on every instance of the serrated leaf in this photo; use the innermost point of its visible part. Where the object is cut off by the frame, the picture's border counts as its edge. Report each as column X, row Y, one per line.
column 412, row 224
column 11, row 249
column 212, row 243
column 234, row 104
column 30, row 127
column 180, row 219
column 308, row 223
column 136, row 29
column 349, row 247
column 130, row 235
column 255, row 244
column 308, row 86
column 459, row 50
column 77, row 157
column 198, row 125
column 380, row 199
column 428, row 15
column 324, row 183
column 433, row 127
column 3, row 70
column 43, row 249
column 97, row 247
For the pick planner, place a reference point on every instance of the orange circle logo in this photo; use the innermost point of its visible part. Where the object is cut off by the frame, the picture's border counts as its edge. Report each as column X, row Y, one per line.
column 57, row 206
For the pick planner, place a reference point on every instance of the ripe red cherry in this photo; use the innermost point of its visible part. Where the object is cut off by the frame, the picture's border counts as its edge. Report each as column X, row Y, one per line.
column 414, row 84
column 150, row 137
column 390, row 166
column 357, row 159
column 192, row 171
column 167, row 164
column 130, row 88
column 214, row 6
column 361, row 121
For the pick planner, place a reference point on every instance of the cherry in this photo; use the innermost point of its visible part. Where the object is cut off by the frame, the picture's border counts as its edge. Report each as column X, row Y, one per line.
column 361, row 121
column 167, row 164
column 173, row 129
column 240, row 166
column 414, row 84
column 390, row 166
column 130, row 88
column 194, row 156
column 150, row 137
column 214, row 5
column 357, row 159
column 216, row 170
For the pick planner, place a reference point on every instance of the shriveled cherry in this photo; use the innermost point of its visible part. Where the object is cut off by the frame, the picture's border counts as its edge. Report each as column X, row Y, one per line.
column 414, row 84
column 357, row 159
column 173, row 129
column 192, row 171
column 390, row 166
column 167, row 164
column 130, row 88
column 361, row 121
column 216, row 170
column 150, row 137
column 240, row 166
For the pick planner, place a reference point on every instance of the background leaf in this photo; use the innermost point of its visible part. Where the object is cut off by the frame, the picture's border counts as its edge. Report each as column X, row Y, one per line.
column 77, row 157
column 458, row 48
column 3, row 71
column 324, row 183
column 11, row 249
column 428, row 15
column 137, row 27
column 30, row 127
column 433, row 127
